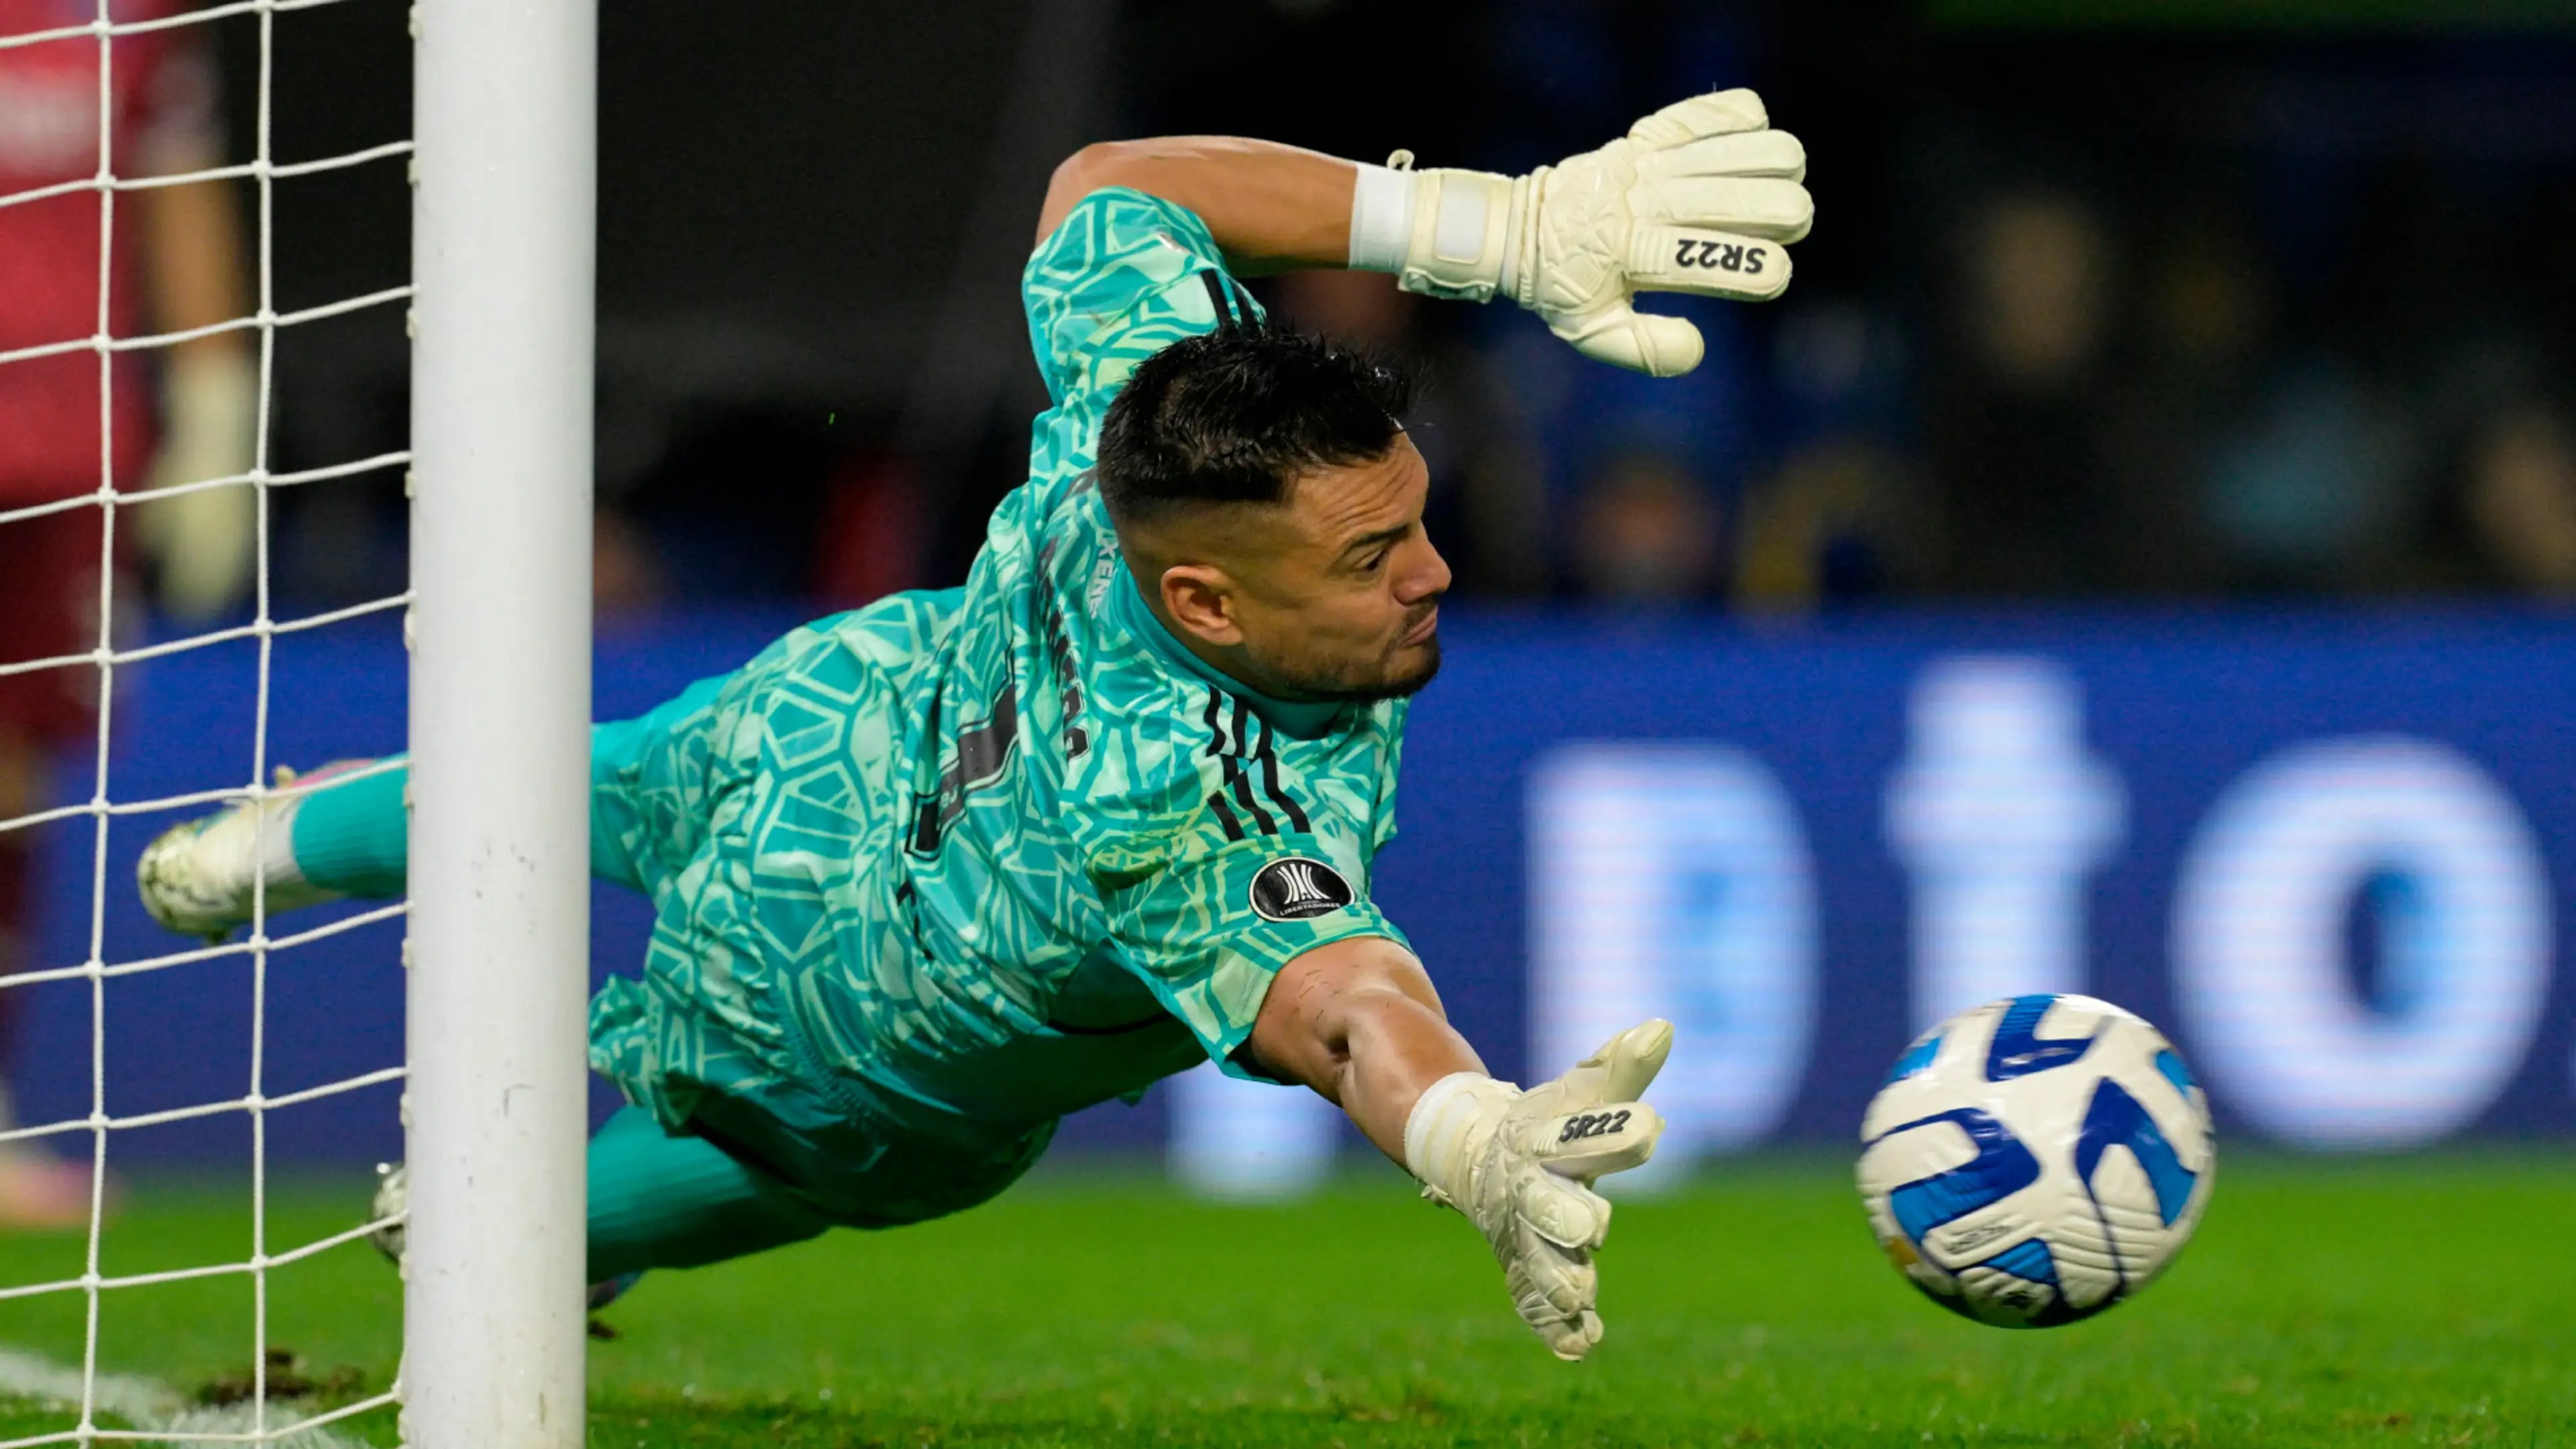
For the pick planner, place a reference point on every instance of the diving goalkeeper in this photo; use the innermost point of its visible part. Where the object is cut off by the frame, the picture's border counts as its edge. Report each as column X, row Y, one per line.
column 933, row 873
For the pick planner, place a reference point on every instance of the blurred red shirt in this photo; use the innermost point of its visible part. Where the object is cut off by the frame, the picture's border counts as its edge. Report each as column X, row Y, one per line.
column 162, row 119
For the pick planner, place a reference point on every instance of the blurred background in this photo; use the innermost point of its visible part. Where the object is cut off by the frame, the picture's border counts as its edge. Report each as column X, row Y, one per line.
column 2104, row 301
column 2132, row 557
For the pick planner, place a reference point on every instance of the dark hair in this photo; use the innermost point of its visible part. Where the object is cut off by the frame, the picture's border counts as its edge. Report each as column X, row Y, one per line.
column 1232, row 416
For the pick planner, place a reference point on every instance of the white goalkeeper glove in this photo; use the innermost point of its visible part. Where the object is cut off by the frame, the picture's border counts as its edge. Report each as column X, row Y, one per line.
column 1702, row 197
column 205, row 543
column 1520, row 1165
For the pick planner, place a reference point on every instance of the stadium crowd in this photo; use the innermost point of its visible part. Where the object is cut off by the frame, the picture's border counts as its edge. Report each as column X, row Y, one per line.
column 2290, row 327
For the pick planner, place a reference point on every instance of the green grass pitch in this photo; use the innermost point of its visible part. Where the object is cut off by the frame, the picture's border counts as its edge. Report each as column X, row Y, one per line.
column 2389, row 1302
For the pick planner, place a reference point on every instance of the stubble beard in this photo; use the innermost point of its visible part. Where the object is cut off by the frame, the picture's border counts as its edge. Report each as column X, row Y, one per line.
column 1345, row 686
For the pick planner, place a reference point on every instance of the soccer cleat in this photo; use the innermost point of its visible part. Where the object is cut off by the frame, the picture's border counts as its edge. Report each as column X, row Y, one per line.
column 198, row 878
column 388, row 1212
column 390, row 1215
column 609, row 1290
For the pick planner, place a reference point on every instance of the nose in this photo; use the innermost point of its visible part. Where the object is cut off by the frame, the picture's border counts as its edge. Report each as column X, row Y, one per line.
column 1427, row 579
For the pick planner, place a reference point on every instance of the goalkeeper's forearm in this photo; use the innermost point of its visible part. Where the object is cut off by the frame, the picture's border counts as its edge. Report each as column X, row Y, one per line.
column 1359, row 1022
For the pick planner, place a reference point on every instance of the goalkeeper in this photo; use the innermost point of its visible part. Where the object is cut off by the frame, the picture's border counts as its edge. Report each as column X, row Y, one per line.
column 933, row 873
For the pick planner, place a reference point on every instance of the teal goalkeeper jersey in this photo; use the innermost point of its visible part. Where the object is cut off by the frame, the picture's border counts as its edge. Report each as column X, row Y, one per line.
column 1010, row 849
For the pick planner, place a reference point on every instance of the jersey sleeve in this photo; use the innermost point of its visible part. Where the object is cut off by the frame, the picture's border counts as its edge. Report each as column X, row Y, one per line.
column 1257, row 872
column 1123, row 277
column 1390, row 726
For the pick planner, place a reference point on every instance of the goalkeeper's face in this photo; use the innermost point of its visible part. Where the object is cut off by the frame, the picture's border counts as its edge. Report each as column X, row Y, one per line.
column 1333, row 593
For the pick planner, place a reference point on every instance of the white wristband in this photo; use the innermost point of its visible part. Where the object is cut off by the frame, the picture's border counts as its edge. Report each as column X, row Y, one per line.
column 1443, row 1126
column 1382, row 218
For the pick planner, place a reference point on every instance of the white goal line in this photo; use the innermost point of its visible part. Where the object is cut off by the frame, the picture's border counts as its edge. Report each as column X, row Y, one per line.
column 182, row 1426
column 160, row 1414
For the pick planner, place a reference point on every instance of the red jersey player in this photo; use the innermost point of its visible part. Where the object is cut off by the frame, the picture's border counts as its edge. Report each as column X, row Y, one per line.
column 176, row 264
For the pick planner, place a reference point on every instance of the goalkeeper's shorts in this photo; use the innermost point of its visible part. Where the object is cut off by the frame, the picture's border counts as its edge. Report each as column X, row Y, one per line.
column 860, row 1156
column 705, row 1041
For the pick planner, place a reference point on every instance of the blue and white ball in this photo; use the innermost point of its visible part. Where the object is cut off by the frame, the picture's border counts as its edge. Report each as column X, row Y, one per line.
column 2036, row 1160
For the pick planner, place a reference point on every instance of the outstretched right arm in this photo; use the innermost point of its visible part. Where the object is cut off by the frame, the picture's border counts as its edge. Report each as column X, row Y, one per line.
column 1700, row 197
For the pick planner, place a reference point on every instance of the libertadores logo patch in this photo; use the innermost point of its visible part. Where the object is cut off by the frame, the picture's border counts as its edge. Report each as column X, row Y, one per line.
column 1298, row 887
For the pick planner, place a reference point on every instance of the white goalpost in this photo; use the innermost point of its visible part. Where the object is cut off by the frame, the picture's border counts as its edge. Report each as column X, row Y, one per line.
column 493, row 1083
column 505, row 114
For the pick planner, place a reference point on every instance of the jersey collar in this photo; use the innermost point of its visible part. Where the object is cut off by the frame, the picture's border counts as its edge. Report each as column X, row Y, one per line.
column 1299, row 719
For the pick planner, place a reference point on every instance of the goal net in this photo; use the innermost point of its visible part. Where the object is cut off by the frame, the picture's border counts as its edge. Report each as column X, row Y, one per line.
column 145, row 346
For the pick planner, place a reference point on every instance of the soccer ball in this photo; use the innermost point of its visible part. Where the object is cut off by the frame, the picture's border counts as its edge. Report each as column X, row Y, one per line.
column 2036, row 1160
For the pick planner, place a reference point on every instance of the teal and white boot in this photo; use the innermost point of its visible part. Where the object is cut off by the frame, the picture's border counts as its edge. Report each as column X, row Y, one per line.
column 198, row 878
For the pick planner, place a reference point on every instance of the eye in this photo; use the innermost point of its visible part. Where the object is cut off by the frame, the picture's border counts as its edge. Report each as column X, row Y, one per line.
column 1374, row 561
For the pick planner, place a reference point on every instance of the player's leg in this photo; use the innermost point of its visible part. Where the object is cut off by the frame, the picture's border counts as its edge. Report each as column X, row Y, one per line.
column 664, row 1201
column 351, row 839
column 660, row 1200
column 770, row 1147
column 354, row 839
column 347, row 839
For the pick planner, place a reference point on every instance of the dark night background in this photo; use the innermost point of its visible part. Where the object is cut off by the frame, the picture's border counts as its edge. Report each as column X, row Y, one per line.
column 2241, row 301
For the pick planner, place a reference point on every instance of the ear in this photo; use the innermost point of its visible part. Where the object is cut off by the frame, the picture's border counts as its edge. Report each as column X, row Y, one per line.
column 1199, row 600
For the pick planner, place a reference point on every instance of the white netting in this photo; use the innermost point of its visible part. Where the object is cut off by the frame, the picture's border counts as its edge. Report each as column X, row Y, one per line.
column 108, row 1409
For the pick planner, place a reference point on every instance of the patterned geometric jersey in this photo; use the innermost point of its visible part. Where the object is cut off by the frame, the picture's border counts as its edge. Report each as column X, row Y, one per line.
column 1010, row 849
